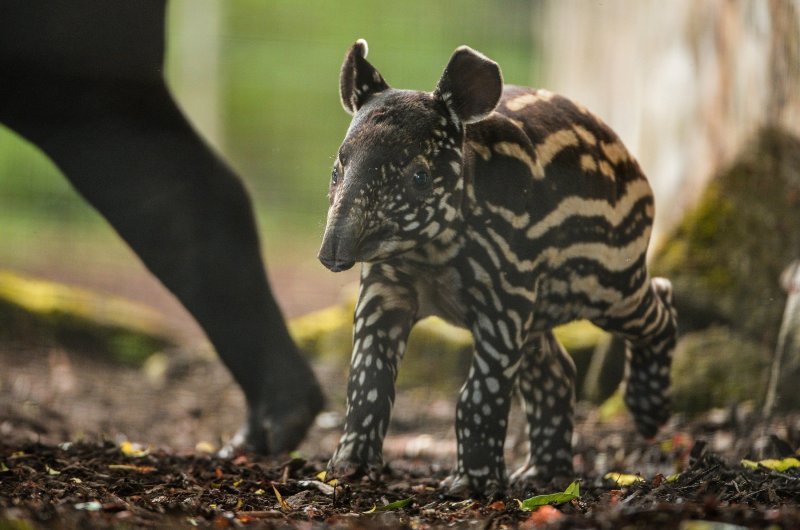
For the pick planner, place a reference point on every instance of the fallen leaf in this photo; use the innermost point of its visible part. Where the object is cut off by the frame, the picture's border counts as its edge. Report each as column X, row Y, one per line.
column 613, row 496
column 749, row 464
column 205, row 447
column 396, row 505
column 322, row 476
column 130, row 467
column 497, row 505
column 321, row 486
column 573, row 491
column 133, row 449
column 623, row 479
column 773, row 463
column 544, row 515
column 574, row 488
column 281, row 502
column 51, row 471
column 91, row 506
column 709, row 525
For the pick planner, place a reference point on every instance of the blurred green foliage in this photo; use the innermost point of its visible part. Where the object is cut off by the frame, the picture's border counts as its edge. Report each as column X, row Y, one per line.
column 275, row 97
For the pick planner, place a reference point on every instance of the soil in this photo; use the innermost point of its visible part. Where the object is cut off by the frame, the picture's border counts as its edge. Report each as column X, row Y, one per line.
column 67, row 421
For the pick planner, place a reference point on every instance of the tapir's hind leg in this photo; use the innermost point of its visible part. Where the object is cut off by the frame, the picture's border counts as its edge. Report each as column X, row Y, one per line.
column 650, row 331
column 547, row 389
column 128, row 149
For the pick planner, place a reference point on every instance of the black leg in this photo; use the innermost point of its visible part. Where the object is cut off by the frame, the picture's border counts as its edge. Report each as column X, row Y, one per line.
column 547, row 389
column 650, row 332
column 384, row 315
column 114, row 130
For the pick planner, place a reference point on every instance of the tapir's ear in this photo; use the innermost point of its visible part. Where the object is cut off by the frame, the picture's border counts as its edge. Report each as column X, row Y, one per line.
column 471, row 85
column 359, row 80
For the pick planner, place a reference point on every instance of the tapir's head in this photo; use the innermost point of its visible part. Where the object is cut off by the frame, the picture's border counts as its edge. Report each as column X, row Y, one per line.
column 397, row 180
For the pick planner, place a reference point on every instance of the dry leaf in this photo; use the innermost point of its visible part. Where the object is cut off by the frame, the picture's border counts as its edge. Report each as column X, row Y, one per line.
column 623, row 479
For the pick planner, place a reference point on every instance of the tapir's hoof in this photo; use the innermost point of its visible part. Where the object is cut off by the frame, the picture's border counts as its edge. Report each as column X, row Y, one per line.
column 345, row 465
column 351, row 471
column 244, row 442
column 649, row 419
column 460, row 485
column 281, row 429
column 531, row 477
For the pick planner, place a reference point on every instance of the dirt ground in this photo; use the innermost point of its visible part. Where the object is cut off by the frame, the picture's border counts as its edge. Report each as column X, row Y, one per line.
column 66, row 420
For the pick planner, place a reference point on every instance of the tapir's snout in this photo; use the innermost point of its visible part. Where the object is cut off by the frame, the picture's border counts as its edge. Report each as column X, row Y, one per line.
column 338, row 250
column 334, row 261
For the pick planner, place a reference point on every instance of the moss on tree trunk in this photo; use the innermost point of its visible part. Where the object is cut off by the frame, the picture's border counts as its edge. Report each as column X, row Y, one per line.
column 726, row 256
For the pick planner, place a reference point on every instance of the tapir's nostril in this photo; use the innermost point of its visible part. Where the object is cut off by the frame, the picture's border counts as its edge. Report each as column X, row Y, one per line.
column 336, row 265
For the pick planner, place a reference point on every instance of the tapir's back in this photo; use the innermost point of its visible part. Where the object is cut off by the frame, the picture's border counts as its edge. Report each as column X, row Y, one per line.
column 566, row 148
column 564, row 195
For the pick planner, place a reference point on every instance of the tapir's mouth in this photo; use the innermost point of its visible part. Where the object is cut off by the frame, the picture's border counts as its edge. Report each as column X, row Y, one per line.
column 337, row 253
column 336, row 264
column 341, row 254
column 342, row 261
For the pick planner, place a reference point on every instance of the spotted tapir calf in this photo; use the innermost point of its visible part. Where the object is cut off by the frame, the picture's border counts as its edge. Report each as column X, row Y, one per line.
column 507, row 211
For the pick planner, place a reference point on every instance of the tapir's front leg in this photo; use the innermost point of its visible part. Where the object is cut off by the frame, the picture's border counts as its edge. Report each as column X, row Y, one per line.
column 482, row 411
column 384, row 315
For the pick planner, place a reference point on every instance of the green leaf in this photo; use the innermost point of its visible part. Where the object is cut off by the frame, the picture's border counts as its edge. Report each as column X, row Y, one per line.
column 574, row 488
column 573, row 491
column 749, row 464
column 396, row 505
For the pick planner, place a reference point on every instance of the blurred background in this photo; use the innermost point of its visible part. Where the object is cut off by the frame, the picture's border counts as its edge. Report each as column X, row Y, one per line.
column 260, row 82
column 706, row 95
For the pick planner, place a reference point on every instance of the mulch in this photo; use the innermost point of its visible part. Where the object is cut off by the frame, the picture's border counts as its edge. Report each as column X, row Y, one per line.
column 102, row 485
column 98, row 480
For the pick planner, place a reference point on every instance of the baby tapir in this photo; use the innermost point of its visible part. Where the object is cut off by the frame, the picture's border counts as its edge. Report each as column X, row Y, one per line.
column 507, row 211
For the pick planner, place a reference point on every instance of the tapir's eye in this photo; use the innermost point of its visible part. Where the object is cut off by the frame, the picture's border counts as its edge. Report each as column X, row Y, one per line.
column 421, row 180
column 335, row 175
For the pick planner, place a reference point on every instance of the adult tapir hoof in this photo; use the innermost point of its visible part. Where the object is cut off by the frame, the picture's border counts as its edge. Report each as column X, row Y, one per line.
column 280, row 424
column 279, row 417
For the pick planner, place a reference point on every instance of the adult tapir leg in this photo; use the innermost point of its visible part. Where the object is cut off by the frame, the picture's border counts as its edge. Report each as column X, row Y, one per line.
column 126, row 147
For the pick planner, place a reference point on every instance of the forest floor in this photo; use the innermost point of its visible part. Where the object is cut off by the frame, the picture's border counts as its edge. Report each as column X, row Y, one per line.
column 90, row 443
column 85, row 443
